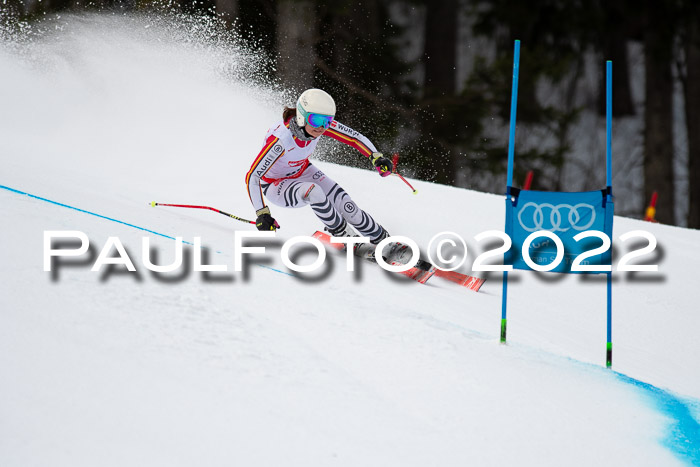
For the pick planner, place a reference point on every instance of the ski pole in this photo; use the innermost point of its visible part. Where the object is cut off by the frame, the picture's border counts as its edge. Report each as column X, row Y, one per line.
column 395, row 162
column 154, row 204
column 415, row 192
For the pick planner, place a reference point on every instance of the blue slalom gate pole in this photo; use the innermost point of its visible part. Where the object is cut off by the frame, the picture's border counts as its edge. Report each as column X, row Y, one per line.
column 608, row 162
column 608, row 348
column 503, row 306
column 509, row 184
column 608, row 124
column 513, row 111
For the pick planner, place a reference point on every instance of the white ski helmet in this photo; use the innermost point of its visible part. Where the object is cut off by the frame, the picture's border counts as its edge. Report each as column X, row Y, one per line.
column 314, row 101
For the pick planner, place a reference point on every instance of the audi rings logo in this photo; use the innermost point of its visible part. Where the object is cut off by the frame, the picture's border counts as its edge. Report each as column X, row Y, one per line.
column 547, row 216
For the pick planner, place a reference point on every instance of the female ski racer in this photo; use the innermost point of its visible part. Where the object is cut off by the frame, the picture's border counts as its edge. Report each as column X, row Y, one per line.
column 283, row 174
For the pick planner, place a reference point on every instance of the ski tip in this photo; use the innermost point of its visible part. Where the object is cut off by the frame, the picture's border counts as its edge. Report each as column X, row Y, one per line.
column 153, row 203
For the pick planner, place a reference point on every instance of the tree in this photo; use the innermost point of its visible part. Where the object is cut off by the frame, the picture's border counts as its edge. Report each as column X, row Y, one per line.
column 440, row 49
column 440, row 59
column 359, row 64
column 296, row 36
column 658, row 112
column 619, row 20
column 556, row 35
column 691, row 82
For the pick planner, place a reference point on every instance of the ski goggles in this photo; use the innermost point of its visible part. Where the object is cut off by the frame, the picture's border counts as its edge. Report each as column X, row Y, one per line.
column 318, row 120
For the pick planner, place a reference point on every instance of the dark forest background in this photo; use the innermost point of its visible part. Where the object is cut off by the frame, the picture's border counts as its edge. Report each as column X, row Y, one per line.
column 394, row 69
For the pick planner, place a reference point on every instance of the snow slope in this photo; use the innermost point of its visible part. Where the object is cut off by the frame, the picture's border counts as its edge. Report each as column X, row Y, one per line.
column 107, row 113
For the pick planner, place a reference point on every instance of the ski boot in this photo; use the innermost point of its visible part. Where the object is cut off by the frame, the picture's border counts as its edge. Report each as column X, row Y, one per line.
column 394, row 252
column 366, row 250
column 344, row 230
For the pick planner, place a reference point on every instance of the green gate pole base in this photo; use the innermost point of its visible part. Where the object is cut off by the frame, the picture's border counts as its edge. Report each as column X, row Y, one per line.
column 503, row 331
column 608, row 355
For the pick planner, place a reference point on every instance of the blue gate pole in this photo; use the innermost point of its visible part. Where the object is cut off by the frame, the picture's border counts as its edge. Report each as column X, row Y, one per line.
column 509, row 184
column 608, row 162
column 608, row 124
column 608, row 350
column 513, row 111
column 503, row 306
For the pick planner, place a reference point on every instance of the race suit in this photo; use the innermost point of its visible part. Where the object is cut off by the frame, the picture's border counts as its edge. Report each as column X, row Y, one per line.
column 283, row 173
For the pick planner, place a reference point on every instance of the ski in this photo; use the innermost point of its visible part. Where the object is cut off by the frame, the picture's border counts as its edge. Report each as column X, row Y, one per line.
column 422, row 272
column 465, row 280
column 420, row 275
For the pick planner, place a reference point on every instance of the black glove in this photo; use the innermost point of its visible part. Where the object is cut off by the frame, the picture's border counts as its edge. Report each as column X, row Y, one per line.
column 265, row 222
column 381, row 163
